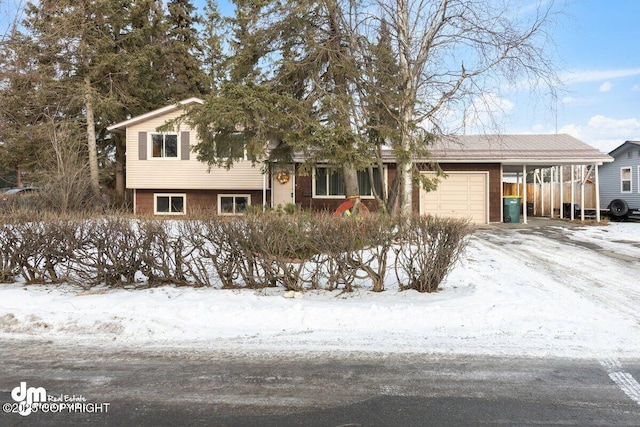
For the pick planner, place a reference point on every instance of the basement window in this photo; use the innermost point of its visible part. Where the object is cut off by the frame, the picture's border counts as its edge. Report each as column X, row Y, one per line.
column 169, row 204
column 233, row 204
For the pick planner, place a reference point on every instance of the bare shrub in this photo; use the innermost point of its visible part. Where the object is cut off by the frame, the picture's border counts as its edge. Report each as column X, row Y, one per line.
column 217, row 243
column 296, row 252
column 335, row 240
column 428, row 249
column 38, row 251
column 198, row 258
column 354, row 249
column 165, row 258
column 107, row 251
column 282, row 246
column 372, row 243
column 8, row 269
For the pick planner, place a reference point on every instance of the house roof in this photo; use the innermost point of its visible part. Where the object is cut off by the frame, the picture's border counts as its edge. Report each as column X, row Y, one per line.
column 534, row 150
column 121, row 127
column 623, row 147
column 529, row 149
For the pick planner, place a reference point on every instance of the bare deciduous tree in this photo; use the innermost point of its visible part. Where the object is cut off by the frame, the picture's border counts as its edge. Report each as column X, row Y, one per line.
column 451, row 51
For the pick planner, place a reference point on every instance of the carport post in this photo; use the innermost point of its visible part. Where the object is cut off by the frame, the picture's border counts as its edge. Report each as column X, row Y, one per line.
column 524, row 194
column 573, row 195
column 552, row 169
column 582, row 181
column 561, row 191
column 541, row 181
column 535, row 186
column 597, row 183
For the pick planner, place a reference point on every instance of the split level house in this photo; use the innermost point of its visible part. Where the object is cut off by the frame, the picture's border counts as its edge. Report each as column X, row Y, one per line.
column 166, row 178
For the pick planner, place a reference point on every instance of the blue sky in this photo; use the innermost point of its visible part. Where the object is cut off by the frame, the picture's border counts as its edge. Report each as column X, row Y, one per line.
column 597, row 46
column 597, row 43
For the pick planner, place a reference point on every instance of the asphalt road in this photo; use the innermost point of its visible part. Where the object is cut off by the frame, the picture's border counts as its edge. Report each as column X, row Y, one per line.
column 166, row 387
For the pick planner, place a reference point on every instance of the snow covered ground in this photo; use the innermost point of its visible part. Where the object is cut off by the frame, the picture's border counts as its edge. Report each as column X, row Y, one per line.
column 546, row 290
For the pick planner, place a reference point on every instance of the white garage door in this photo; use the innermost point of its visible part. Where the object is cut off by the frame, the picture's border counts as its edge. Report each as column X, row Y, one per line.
column 460, row 195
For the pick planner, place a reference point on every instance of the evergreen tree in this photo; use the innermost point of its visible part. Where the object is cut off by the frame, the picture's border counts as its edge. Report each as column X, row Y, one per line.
column 212, row 35
column 184, row 52
column 291, row 80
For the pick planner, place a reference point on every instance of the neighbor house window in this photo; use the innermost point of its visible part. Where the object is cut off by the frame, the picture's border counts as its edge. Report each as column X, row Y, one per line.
column 233, row 204
column 330, row 182
column 164, row 145
column 170, row 204
column 625, row 180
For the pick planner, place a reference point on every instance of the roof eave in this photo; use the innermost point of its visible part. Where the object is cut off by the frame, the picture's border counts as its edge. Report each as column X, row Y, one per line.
column 122, row 126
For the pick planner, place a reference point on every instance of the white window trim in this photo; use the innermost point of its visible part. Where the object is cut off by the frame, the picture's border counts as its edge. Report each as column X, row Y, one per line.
column 220, row 196
column 630, row 169
column 163, row 159
column 155, row 203
column 313, row 185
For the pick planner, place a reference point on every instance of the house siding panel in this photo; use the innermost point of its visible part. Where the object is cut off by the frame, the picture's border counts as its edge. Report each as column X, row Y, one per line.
column 609, row 175
column 183, row 174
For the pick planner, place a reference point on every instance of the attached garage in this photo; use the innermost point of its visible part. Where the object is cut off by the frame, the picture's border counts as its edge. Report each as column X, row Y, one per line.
column 460, row 195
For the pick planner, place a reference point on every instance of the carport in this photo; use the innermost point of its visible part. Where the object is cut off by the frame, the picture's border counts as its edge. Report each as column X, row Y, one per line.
column 555, row 155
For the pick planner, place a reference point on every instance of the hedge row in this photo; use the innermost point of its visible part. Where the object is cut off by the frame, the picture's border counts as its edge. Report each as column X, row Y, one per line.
column 297, row 252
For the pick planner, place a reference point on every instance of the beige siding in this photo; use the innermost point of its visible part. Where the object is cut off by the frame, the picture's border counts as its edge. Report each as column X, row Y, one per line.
column 183, row 174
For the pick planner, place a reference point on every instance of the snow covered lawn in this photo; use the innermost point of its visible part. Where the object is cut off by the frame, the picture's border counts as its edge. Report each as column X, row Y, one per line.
column 538, row 291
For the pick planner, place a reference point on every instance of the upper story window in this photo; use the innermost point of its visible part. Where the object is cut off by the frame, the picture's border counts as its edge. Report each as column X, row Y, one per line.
column 232, row 147
column 625, row 180
column 330, row 182
column 164, row 145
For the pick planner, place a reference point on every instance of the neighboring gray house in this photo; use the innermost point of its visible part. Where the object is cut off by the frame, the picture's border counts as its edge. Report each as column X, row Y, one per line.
column 620, row 181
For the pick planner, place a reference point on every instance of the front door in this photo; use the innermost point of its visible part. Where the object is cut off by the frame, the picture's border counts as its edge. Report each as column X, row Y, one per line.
column 283, row 178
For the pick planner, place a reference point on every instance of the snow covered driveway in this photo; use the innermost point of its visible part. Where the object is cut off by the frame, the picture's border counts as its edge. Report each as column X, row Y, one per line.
column 602, row 264
column 549, row 289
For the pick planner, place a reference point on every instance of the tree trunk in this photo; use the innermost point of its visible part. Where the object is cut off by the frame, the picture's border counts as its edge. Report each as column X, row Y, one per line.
column 406, row 109
column 120, row 172
column 18, row 177
column 91, row 140
column 350, row 181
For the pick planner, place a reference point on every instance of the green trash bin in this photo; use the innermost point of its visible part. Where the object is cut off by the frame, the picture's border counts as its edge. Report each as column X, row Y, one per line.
column 511, row 208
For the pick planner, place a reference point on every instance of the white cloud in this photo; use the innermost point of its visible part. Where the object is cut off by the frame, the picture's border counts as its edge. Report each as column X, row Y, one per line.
column 636, row 88
column 605, row 87
column 584, row 76
column 605, row 133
